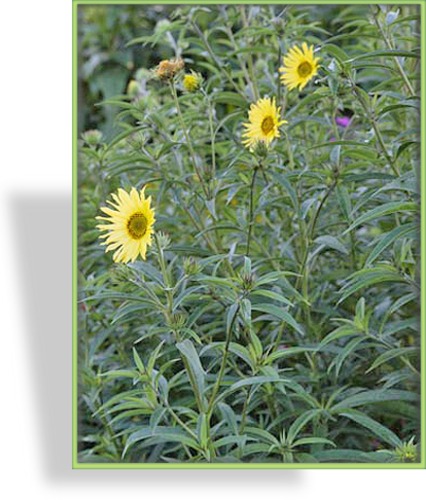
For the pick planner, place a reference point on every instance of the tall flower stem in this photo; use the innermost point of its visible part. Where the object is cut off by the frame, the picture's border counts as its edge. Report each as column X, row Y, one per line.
column 223, row 363
column 217, row 61
column 212, row 132
column 167, row 285
column 390, row 45
column 187, row 138
column 308, row 234
column 370, row 114
column 249, row 70
column 168, row 288
column 251, row 209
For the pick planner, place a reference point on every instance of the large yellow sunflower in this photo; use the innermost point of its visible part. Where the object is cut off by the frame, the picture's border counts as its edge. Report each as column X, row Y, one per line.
column 300, row 66
column 264, row 120
column 130, row 225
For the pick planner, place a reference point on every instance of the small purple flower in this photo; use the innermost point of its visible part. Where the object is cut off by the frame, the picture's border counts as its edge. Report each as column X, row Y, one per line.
column 343, row 121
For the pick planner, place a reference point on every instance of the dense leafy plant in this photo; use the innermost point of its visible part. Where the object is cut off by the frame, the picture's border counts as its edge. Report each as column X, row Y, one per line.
column 276, row 316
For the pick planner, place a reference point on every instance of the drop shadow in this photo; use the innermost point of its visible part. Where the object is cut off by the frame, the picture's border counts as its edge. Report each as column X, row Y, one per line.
column 44, row 252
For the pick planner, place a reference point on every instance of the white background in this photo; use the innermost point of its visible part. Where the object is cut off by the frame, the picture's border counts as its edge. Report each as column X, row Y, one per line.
column 35, row 411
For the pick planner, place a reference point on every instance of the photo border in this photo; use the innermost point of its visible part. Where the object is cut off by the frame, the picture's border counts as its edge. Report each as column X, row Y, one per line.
column 183, row 465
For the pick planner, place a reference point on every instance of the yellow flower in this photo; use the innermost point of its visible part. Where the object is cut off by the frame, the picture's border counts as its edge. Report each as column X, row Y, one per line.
column 130, row 225
column 264, row 120
column 300, row 66
column 192, row 81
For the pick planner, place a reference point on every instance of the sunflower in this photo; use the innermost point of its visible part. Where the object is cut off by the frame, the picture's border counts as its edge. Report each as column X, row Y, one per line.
column 300, row 66
column 130, row 225
column 264, row 120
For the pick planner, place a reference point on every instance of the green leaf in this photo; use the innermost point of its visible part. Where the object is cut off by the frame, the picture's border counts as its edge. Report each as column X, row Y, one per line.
column 392, row 207
column 279, row 313
column 154, row 356
column 368, row 277
column 384, row 53
column 344, row 353
column 231, row 316
column 228, row 415
column 263, row 434
column 388, row 239
column 335, row 51
column 161, row 434
column 312, row 440
column 203, row 430
column 374, row 396
column 332, row 242
column 250, row 381
column 391, row 354
column 226, row 441
column 349, row 456
column 138, row 362
column 338, row 333
column 288, row 351
column 333, row 144
column 299, row 423
column 272, row 295
column 344, row 201
column 230, row 98
column 196, row 373
column 377, row 429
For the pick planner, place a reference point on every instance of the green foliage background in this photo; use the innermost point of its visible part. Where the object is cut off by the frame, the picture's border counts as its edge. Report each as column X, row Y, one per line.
column 305, row 348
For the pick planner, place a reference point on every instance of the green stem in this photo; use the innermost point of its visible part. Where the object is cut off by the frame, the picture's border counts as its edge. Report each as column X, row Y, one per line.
column 187, row 138
column 251, row 80
column 217, row 61
column 169, row 408
column 212, row 133
column 391, row 46
column 251, row 210
column 197, row 226
column 167, row 287
column 169, row 311
column 244, row 412
column 223, row 364
column 311, row 230
column 279, row 84
column 375, row 126
column 289, row 152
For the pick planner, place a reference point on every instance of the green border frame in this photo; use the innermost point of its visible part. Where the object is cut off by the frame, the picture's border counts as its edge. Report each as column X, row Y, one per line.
column 78, row 465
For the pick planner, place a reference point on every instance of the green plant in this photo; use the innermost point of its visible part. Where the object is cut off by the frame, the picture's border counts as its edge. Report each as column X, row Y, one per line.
column 276, row 317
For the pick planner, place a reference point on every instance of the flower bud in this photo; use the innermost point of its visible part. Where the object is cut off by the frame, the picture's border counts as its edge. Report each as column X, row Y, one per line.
column 177, row 321
column 133, row 88
column 407, row 452
column 192, row 81
column 163, row 240
column 260, row 149
column 191, row 266
column 92, row 137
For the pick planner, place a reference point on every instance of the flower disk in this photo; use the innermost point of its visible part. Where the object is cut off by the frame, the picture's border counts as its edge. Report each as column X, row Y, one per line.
column 264, row 120
column 192, row 82
column 300, row 66
column 130, row 225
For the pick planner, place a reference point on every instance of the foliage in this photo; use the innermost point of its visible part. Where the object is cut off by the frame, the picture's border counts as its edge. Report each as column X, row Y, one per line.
column 276, row 317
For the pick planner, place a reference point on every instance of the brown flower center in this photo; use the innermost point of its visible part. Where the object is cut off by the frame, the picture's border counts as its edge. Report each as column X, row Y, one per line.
column 137, row 225
column 267, row 125
column 304, row 69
